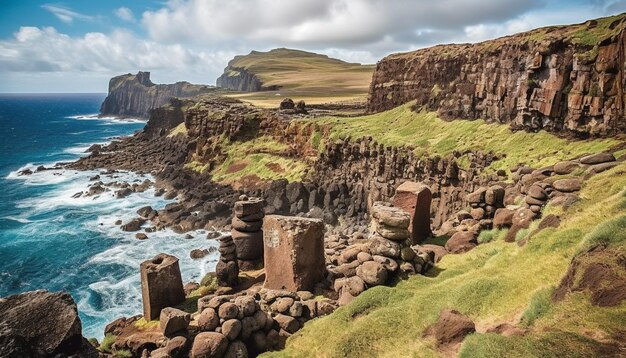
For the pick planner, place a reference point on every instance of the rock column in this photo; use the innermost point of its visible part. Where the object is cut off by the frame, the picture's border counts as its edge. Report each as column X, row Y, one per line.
column 415, row 199
column 247, row 234
column 227, row 269
column 161, row 285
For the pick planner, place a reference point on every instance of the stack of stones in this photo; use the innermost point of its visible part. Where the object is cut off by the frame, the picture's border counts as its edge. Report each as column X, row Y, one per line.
column 290, row 310
column 232, row 326
column 386, row 254
column 247, row 234
column 227, row 269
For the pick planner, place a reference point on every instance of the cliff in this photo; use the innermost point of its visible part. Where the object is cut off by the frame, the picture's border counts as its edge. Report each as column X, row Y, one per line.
column 567, row 79
column 136, row 95
column 294, row 69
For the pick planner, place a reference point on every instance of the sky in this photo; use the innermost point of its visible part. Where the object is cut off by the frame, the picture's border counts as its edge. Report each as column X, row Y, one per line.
column 77, row 46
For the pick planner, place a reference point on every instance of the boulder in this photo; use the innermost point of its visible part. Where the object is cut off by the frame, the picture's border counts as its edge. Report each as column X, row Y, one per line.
column 177, row 347
column 208, row 319
column 41, row 324
column 415, row 199
column 294, row 252
column 209, row 345
column 372, row 273
column 494, row 196
column 173, row 320
column 460, row 242
column 537, row 192
column 378, row 245
column 231, row 328
column 236, row 349
column 246, row 226
column 503, row 218
column 390, row 232
column 565, row 167
column 567, row 185
column 227, row 273
column 161, row 285
column 597, row 158
column 134, row 224
column 244, row 209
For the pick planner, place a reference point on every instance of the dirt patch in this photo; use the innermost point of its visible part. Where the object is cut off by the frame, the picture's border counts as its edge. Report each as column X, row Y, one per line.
column 275, row 167
column 449, row 331
column 236, row 167
column 600, row 271
column 507, row 330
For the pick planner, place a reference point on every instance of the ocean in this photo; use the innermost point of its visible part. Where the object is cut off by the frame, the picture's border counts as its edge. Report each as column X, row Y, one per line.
column 51, row 240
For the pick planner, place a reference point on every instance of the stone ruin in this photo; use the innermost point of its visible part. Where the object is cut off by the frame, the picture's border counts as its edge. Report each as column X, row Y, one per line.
column 294, row 252
column 297, row 268
column 246, row 232
column 415, row 199
column 161, row 285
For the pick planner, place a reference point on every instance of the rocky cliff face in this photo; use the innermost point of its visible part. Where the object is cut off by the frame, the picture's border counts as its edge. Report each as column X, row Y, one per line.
column 239, row 79
column 564, row 79
column 135, row 95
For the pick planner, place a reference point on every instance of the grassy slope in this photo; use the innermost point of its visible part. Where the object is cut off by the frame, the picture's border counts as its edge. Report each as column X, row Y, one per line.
column 433, row 136
column 494, row 283
column 304, row 75
column 253, row 158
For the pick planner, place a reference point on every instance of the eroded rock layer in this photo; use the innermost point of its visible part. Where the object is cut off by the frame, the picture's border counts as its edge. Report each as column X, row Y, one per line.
column 566, row 79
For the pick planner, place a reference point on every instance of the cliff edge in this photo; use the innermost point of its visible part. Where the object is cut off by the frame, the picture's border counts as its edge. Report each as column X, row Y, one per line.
column 567, row 79
column 135, row 95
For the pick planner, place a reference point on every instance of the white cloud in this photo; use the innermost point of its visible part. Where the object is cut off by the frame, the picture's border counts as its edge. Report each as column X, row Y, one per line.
column 125, row 14
column 65, row 14
column 42, row 50
column 332, row 23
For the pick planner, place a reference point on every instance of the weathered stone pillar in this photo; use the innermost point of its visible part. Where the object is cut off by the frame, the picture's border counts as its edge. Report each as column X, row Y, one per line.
column 161, row 285
column 415, row 198
column 227, row 269
column 246, row 232
column 294, row 252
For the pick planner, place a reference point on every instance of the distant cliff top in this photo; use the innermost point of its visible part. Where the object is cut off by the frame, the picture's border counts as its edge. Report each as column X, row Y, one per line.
column 135, row 95
column 296, row 73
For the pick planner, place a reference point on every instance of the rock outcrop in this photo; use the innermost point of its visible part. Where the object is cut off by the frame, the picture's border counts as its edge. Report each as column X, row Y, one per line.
column 135, row 95
column 41, row 324
column 567, row 79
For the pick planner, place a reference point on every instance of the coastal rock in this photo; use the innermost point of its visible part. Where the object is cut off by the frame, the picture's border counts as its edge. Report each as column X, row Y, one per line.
column 41, row 324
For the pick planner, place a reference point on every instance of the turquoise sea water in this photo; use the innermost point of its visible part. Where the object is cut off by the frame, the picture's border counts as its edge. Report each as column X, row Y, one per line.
column 49, row 240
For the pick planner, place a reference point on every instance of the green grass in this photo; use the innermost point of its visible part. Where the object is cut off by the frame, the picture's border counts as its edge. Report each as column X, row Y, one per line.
column 197, row 166
column 262, row 158
column 303, row 75
column 180, row 129
column 497, row 282
column 486, row 236
column 430, row 135
column 107, row 343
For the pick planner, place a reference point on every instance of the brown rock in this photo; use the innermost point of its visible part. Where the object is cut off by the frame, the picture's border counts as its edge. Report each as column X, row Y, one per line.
column 390, row 216
column 209, row 345
column 460, row 242
column 289, row 324
column 378, row 245
column 249, row 207
column 597, row 158
column 246, row 226
column 228, row 311
column 177, row 347
column 161, row 285
column 236, row 349
column 173, row 320
column 451, row 328
column 567, row 185
column 294, row 252
column 537, row 192
column 503, row 218
column 565, row 167
column 208, row 320
column 415, row 199
column 231, row 329
column 41, row 324
column 249, row 245
column 372, row 273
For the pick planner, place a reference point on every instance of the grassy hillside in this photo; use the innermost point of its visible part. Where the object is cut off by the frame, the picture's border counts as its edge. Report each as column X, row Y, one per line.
column 304, row 75
column 495, row 283
column 430, row 135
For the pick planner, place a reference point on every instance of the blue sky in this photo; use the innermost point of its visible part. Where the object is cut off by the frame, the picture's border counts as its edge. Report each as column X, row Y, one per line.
column 76, row 46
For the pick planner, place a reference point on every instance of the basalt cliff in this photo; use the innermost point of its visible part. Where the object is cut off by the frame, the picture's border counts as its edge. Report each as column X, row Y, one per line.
column 135, row 95
column 567, row 79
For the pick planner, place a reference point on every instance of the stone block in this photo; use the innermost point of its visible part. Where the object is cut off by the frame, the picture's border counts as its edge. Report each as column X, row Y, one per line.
column 161, row 285
column 294, row 252
column 415, row 199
